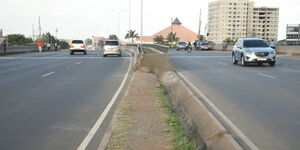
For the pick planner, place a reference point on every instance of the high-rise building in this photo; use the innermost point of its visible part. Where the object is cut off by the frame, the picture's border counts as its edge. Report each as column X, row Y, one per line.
column 293, row 34
column 234, row 19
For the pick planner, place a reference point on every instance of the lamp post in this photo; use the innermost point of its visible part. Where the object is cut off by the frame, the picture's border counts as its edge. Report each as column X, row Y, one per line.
column 141, row 22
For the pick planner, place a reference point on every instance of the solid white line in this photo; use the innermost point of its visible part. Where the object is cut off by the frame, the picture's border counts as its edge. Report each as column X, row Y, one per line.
column 97, row 125
column 265, row 75
column 48, row 74
column 222, row 115
column 80, row 62
column 200, row 56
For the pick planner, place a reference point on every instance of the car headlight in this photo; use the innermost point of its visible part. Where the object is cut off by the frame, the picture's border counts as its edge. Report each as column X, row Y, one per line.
column 248, row 53
column 273, row 52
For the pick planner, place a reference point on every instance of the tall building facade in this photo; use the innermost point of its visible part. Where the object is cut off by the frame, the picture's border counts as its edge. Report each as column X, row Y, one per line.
column 235, row 19
column 293, row 34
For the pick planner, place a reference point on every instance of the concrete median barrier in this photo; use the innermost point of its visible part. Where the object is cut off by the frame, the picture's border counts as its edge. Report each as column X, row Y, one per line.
column 199, row 123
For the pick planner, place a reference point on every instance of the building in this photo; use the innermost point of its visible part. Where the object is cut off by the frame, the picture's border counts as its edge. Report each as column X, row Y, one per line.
column 264, row 23
column 293, row 34
column 183, row 33
column 235, row 19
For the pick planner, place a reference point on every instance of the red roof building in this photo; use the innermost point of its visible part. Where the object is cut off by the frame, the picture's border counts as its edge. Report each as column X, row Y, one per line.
column 182, row 32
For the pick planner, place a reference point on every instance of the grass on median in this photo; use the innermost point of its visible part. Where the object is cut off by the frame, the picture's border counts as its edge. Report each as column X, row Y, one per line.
column 179, row 139
column 121, row 128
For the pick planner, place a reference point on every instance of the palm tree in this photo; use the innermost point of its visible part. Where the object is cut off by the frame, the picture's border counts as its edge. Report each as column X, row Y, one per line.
column 172, row 37
column 159, row 39
column 132, row 35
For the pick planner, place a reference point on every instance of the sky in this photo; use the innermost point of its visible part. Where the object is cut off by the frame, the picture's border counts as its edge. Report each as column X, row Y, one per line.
column 82, row 19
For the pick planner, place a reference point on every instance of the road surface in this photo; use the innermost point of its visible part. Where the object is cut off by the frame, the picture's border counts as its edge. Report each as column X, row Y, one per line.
column 262, row 101
column 52, row 100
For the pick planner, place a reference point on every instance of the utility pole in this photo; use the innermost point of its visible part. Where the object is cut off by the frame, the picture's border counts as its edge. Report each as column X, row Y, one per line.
column 141, row 22
column 33, row 31
column 199, row 30
column 40, row 28
column 129, row 24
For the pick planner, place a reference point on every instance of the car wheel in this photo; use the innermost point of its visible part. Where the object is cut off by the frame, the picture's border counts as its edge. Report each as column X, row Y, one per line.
column 104, row 55
column 272, row 64
column 84, row 52
column 71, row 52
column 234, row 61
column 244, row 63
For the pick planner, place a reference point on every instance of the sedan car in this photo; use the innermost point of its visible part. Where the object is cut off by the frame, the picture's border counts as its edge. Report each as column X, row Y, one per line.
column 181, row 45
column 253, row 50
column 77, row 46
column 205, row 46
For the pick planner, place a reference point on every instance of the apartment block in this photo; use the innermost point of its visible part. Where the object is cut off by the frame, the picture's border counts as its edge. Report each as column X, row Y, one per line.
column 235, row 19
column 293, row 34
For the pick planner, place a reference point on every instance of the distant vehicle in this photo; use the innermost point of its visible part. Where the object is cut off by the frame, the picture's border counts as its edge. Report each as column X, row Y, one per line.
column 253, row 50
column 112, row 47
column 90, row 47
column 205, row 46
column 77, row 46
column 181, row 45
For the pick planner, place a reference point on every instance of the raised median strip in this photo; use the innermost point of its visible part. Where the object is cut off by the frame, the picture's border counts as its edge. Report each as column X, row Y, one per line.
column 200, row 128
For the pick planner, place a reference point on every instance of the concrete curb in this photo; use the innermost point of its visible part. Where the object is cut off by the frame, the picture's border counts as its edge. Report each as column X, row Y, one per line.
column 199, row 123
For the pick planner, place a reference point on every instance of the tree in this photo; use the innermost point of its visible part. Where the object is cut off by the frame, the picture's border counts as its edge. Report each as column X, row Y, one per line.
column 201, row 38
column 172, row 37
column 230, row 41
column 159, row 39
column 18, row 39
column 113, row 37
column 132, row 35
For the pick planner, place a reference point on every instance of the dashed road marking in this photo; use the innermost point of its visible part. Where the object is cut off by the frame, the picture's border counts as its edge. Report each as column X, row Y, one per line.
column 80, row 62
column 48, row 74
column 265, row 75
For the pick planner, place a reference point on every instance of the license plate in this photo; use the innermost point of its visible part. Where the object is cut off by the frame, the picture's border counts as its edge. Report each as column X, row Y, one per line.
column 261, row 59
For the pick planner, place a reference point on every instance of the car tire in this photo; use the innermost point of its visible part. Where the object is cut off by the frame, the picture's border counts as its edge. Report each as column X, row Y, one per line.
column 84, row 52
column 104, row 55
column 71, row 53
column 234, row 61
column 243, row 62
column 272, row 64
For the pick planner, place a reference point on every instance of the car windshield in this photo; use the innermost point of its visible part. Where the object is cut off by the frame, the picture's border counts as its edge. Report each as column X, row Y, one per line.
column 204, row 44
column 181, row 43
column 111, row 43
column 77, row 42
column 255, row 43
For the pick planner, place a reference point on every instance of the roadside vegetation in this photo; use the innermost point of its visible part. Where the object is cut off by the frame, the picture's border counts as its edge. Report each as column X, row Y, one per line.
column 179, row 139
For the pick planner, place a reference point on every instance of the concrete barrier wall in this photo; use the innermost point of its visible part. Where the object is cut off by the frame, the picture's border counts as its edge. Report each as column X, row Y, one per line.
column 290, row 50
column 200, row 125
column 23, row 49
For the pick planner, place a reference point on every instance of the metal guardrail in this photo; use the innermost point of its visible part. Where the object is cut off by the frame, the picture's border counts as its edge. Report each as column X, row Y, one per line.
column 161, row 48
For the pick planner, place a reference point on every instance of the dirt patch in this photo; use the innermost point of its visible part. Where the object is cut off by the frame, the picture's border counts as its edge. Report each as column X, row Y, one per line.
column 140, row 123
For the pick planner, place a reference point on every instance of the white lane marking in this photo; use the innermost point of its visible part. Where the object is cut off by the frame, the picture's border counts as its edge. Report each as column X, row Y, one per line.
column 13, row 58
column 97, row 125
column 48, row 74
column 200, row 56
column 265, row 75
column 80, row 62
column 222, row 115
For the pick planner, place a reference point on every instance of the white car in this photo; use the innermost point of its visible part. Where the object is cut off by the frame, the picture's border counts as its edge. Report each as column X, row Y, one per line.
column 77, row 46
column 112, row 47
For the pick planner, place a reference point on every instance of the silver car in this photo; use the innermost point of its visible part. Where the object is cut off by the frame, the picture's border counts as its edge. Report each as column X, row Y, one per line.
column 253, row 50
column 112, row 47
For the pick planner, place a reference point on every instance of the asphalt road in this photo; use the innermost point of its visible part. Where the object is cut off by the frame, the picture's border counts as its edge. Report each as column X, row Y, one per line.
column 262, row 101
column 50, row 101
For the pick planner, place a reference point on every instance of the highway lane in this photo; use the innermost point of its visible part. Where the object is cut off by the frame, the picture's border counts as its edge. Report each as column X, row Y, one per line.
column 262, row 101
column 52, row 100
